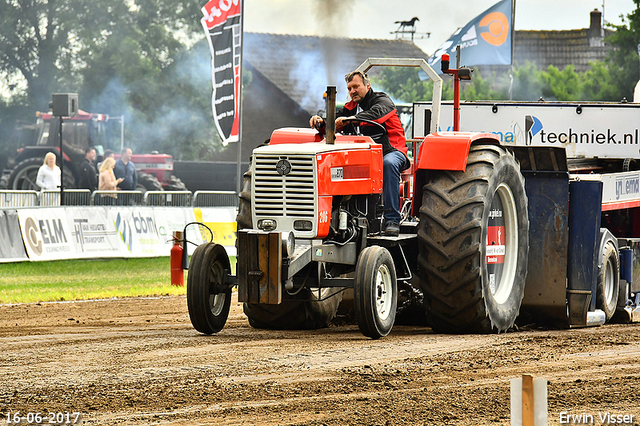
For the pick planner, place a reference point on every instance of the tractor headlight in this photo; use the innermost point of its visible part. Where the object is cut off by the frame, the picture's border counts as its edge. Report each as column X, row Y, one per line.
column 267, row 224
column 288, row 244
column 303, row 225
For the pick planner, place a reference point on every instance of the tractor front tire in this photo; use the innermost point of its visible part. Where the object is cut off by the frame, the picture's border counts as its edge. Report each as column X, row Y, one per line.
column 474, row 244
column 24, row 174
column 207, row 302
column 375, row 292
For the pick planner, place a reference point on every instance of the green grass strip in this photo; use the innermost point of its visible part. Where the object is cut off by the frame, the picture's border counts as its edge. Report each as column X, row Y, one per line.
column 28, row 282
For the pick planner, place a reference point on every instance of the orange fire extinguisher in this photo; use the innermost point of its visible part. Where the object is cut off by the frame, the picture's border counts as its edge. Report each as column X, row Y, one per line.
column 177, row 273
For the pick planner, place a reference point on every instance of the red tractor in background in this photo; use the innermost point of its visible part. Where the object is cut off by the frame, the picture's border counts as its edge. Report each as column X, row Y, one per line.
column 78, row 133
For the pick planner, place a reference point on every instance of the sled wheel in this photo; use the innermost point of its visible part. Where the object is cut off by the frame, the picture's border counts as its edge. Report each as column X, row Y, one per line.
column 474, row 244
column 375, row 292
column 608, row 279
column 207, row 300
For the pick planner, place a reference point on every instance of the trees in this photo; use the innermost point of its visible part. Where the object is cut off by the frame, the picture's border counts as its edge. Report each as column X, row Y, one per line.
column 52, row 45
column 611, row 80
column 121, row 57
column 598, row 83
column 624, row 67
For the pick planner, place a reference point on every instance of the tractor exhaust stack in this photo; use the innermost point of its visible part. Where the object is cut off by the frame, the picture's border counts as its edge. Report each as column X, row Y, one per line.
column 331, row 115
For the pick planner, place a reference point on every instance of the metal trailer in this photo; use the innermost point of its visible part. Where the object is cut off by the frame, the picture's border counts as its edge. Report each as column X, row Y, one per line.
column 600, row 144
column 491, row 233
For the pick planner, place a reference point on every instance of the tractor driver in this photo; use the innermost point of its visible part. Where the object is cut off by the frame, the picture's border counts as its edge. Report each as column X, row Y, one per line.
column 376, row 106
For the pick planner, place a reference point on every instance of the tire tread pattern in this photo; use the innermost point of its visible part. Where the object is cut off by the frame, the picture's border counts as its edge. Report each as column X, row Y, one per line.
column 198, row 288
column 450, row 235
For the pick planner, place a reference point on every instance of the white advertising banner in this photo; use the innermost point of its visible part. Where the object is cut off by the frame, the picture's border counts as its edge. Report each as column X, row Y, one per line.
column 169, row 220
column 68, row 233
column 137, row 229
column 585, row 129
column 94, row 232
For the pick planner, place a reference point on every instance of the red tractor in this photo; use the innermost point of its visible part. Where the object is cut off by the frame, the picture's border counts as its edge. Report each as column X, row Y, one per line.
column 78, row 133
column 309, row 227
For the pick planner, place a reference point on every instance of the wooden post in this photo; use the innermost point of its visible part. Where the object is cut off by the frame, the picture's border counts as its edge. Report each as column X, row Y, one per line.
column 527, row 400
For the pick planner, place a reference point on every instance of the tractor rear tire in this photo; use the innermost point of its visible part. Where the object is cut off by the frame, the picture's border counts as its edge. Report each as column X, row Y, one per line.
column 208, row 306
column 69, row 179
column 24, row 175
column 470, row 286
column 608, row 284
column 148, row 182
column 4, row 181
column 175, row 184
column 304, row 312
column 375, row 292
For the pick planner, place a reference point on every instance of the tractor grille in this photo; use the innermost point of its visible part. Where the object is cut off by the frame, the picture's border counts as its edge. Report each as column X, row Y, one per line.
column 290, row 195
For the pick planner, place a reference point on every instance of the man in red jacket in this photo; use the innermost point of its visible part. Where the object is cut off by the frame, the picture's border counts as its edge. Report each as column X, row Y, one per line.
column 376, row 106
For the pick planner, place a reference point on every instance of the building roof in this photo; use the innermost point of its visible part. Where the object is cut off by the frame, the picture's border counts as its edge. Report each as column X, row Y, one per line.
column 303, row 66
column 563, row 48
column 560, row 48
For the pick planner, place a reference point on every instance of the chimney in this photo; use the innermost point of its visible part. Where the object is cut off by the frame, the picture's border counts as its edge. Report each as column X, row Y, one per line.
column 595, row 28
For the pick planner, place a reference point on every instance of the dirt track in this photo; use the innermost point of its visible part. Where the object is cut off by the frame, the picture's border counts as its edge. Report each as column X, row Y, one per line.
column 139, row 361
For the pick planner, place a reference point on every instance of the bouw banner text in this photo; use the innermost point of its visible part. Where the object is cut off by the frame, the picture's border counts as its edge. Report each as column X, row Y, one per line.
column 222, row 24
column 486, row 40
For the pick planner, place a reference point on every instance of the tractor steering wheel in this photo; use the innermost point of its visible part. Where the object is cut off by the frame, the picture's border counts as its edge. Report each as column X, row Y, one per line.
column 383, row 130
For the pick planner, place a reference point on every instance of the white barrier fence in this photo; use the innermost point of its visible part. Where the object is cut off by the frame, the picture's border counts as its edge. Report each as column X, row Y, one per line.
column 120, row 231
column 84, row 197
column 18, row 198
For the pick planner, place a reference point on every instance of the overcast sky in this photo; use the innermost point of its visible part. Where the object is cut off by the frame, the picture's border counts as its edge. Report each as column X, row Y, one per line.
column 376, row 18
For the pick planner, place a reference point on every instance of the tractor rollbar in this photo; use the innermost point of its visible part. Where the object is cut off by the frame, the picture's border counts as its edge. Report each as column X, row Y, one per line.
column 424, row 66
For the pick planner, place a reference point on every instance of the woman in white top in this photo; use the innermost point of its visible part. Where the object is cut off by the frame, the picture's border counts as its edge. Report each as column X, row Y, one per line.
column 49, row 173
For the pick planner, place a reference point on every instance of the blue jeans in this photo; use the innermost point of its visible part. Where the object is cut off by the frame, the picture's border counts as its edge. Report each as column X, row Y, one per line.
column 393, row 163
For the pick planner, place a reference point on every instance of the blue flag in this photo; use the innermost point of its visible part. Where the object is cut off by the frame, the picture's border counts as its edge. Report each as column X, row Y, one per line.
column 486, row 40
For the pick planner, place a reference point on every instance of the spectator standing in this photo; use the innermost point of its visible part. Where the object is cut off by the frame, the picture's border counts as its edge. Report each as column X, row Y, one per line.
column 108, row 181
column 126, row 170
column 88, row 174
column 48, row 177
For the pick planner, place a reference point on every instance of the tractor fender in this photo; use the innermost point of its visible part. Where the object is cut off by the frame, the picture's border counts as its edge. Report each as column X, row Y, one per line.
column 444, row 151
column 449, row 150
